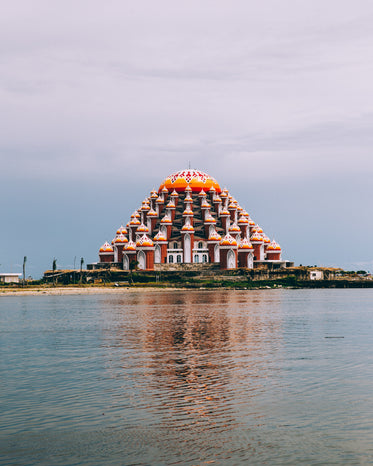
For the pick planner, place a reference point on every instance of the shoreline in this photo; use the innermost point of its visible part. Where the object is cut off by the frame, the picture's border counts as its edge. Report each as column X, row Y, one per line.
column 238, row 286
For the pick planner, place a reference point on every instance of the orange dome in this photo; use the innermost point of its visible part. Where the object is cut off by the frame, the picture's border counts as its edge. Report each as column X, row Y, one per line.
column 257, row 237
column 243, row 220
column 188, row 212
column 214, row 236
column 152, row 213
column 195, row 179
column 144, row 242
column 245, row 244
column 120, row 239
column 234, row 228
column 274, row 246
column 106, row 248
column 160, row 237
column 187, row 227
column 166, row 219
column 142, row 229
column 210, row 219
column 228, row 240
column 121, row 230
column 135, row 222
column 130, row 246
column 224, row 213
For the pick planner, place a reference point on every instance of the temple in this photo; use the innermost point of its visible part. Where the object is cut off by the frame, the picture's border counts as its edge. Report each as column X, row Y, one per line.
column 190, row 220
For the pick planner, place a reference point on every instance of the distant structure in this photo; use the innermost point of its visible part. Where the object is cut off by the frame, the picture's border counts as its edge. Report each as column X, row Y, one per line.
column 9, row 277
column 190, row 220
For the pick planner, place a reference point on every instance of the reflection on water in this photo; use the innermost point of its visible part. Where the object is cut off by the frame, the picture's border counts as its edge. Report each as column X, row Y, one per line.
column 188, row 377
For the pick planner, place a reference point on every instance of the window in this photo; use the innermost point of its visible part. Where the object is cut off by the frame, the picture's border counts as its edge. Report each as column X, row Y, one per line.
column 204, row 258
column 175, row 245
column 170, row 259
column 200, row 245
column 178, row 259
column 196, row 258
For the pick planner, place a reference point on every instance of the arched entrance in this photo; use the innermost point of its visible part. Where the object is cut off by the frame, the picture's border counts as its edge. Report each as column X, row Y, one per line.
column 231, row 260
column 142, row 260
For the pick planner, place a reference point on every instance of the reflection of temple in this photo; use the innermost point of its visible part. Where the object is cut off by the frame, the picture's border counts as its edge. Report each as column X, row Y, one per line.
column 190, row 219
column 195, row 358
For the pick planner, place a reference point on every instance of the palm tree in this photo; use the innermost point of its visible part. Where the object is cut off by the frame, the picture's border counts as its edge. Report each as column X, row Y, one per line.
column 81, row 269
column 54, row 268
column 24, row 270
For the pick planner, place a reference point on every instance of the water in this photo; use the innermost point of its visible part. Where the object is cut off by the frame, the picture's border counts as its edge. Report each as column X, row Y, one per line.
column 187, row 377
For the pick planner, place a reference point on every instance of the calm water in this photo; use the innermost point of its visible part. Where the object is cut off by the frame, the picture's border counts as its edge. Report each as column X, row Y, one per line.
column 187, row 377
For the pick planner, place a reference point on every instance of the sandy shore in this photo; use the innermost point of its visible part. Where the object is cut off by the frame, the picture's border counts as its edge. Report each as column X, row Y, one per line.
column 77, row 290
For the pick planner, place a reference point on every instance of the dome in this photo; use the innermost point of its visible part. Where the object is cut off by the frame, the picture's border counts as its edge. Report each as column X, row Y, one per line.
column 234, row 228
column 274, row 246
column 214, row 236
column 130, row 246
column 160, row 237
column 120, row 239
column 187, row 227
column 228, row 240
column 245, row 244
column 144, row 242
column 142, row 229
column 257, row 237
column 195, row 179
column 152, row 213
column 106, row 248
column 243, row 220
column 121, row 230
column 166, row 219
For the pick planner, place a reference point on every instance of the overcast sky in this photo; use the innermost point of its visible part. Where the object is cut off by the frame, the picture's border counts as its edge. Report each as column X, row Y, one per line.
column 102, row 100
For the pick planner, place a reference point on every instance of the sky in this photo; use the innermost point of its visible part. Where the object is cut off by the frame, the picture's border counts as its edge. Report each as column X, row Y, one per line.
column 100, row 101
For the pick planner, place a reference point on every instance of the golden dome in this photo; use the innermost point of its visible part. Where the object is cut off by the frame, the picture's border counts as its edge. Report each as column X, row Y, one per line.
column 228, row 240
column 120, row 239
column 245, row 244
column 195, row 179
column 144, row 242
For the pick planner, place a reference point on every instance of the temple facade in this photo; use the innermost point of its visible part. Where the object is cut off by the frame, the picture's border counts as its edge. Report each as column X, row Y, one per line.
column 190, row 220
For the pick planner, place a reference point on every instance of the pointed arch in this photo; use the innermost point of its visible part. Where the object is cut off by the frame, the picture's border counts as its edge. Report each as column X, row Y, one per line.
column 187, row 248
column 126, row 262
column 157, row 254
column 231, row 260
column 142, row 260
column 216, row 253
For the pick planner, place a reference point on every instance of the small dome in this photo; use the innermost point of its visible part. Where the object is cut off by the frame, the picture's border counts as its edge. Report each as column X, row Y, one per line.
column 258, row 229
column 134, row 222
column 202, row 193
column 256, row 237
column 164, row 190
column 245, row 244
column 174, row 193
column 209, row 219
column 273, row 246
column 166, row 219
column 153, row 195
column 188, row 198
column 232, row 206
column 205, row 204
column 159, row 200
column 212, row 189
column 188, row 212
column 106, row 248
column 144, row 242
column 160, row 237
column 214, row 236
column 120, row 239
column 136, row 214
column 224, row 213
column 152, row 213
column 228, row 240
column 121, row 230
column 171, row 205
column 187, row 227
column 243, row 220
column 251, row 222
column 130, row 246
column 217, row 198
column 145, row 207
column 234, row 228
column 142, row 229
column 188, row 189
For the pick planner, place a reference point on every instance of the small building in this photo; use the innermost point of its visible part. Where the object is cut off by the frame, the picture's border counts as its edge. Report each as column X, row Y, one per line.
column 316, row 275
column 9, row 277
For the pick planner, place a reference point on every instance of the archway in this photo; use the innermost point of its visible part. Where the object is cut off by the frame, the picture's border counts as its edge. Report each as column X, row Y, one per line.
column 157, row 254
column 231, row 260
column 142, row 260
